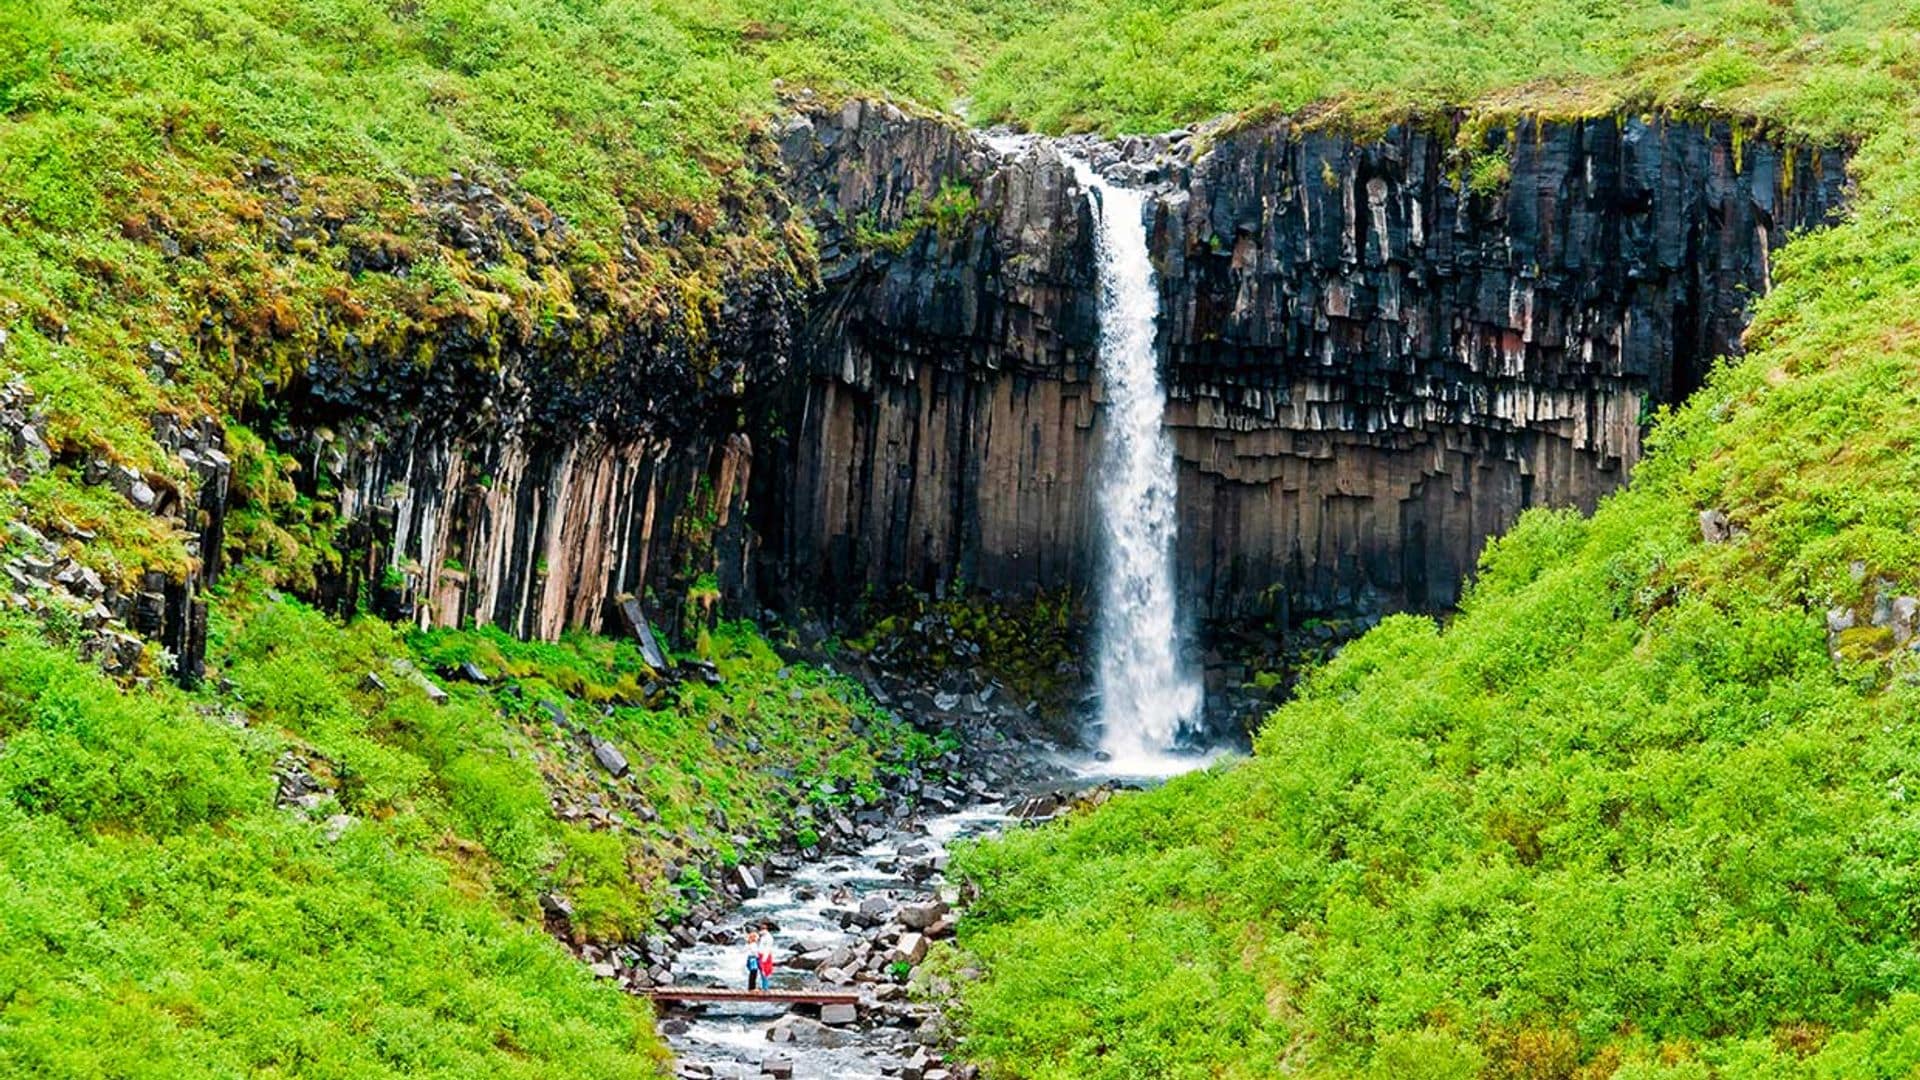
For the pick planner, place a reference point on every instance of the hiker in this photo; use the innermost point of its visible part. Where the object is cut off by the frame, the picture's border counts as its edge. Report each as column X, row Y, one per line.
column 766, row 959
column 753, row 961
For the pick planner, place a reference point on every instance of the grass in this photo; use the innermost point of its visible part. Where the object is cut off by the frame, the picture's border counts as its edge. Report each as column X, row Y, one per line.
column 213, row 178
column 165, row 918
column 1822, row 69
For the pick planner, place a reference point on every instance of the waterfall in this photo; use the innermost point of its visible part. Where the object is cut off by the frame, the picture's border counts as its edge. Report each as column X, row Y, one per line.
column 1146, row 694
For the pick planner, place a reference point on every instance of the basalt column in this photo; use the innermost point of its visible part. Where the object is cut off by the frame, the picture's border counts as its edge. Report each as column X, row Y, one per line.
column 943, row 430
column 1374, row 366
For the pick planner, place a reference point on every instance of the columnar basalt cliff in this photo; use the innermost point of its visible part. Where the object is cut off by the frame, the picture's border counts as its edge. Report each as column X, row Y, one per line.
column 532, row 474
column 943, row 430
column 1375, row 367
column 1372, row 366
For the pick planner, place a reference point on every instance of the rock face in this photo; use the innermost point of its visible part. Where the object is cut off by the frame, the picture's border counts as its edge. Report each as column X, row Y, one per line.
column 942, row 429
column 1372, row 367
column 533, row 478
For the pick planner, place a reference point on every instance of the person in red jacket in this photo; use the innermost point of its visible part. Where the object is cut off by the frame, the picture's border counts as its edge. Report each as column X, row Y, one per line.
column 766, row 959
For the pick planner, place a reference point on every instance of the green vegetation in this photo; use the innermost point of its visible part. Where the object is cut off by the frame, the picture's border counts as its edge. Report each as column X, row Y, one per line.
column 947, row 214
column 1630, row 814
column 1146, row 65
column 710, row 763
column 1030, row 645
column 210, row 179
column 163, row 918
column 167, row 918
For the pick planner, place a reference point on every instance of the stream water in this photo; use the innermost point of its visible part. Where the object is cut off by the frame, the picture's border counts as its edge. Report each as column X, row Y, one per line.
column 1147, row 697
column 807, row 911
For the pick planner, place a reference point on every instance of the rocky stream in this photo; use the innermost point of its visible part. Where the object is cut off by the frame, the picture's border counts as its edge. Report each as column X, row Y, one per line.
column 858, row 914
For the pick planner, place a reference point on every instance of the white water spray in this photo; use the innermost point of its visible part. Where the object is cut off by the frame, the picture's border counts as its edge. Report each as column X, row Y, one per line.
column 1147, row 696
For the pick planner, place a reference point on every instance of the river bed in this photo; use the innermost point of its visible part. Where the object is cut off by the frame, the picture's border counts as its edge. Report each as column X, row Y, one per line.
column 809, row 911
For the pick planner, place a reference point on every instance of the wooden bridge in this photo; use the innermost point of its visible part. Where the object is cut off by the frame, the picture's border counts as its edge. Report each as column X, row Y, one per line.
column 701, row 995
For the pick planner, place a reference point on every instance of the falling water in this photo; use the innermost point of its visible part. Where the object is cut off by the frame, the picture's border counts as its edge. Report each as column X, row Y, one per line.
column 1147, row 696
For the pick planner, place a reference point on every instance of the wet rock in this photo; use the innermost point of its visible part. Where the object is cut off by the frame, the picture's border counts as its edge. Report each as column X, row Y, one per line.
column 802, row 1031
column 839, row 1014
column 746, row 880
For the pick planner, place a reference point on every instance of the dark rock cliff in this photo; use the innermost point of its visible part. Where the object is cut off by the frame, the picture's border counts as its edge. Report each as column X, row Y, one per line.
column 1371, row 366
column 1374, row 368
column 530, row 475
column 942, row 427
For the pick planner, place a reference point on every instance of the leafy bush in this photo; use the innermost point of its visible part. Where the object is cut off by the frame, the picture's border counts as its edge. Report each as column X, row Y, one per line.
column 77, row 748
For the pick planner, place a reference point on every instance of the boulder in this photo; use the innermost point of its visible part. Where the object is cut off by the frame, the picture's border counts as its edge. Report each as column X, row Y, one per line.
column 802, row 1031
column 635, row 618
column 839, row 1013
column 911, row 948
column 418, row 678
column 610, row 758
column 1905, row 618
column 747, row 881
column 920, row 916
column 1714, row 526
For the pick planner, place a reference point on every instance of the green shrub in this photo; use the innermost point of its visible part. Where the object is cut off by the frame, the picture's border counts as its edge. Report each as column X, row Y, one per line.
column 77, row 748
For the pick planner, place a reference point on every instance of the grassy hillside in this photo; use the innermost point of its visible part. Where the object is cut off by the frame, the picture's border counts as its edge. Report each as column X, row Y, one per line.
column 1147, row 65
column 1632, row 812
column 166, row 918
column 191, row 191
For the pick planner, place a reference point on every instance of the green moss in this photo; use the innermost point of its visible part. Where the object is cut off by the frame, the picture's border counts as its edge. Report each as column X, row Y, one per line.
column 1489, row 174
column 1865, row 643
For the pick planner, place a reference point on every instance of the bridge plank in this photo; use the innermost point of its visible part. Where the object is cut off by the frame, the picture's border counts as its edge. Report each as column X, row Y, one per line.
column 696, row 994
